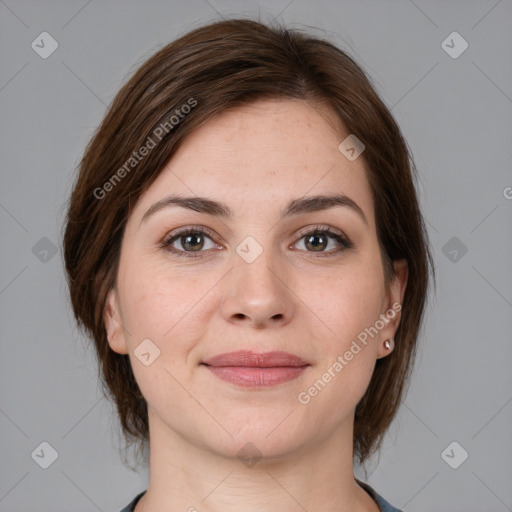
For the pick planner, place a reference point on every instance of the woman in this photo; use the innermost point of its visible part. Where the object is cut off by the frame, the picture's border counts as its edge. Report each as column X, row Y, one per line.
column 244, row 245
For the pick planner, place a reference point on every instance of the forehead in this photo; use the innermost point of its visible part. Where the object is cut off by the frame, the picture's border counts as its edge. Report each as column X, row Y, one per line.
column 259, row 156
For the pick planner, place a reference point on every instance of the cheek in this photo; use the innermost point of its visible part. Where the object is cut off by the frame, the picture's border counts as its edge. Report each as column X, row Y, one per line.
column 164, row 305
column 348, row 304
column 159, row 307
column 347, row 301
column 148, row 307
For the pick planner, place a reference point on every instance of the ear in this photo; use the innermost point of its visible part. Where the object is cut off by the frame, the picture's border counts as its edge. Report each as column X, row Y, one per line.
column 113, row 324
column 392, row 306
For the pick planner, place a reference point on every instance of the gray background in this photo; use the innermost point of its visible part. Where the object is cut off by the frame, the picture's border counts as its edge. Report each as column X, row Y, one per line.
column 456, row 116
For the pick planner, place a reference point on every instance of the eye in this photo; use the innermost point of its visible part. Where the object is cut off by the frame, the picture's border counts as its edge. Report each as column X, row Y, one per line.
column 193, row 241
column 323, row 240
column 188, row 241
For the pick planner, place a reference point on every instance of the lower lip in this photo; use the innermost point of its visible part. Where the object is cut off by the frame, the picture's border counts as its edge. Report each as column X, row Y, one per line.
column 256, row 377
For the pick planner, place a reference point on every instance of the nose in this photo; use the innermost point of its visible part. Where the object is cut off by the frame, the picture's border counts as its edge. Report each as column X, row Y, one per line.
column 256, row 294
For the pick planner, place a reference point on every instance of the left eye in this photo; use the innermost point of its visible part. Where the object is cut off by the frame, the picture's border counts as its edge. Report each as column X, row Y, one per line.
column 322, row 241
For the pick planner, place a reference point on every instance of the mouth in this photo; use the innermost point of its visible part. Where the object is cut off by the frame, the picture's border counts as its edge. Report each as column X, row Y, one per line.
column 249, row 369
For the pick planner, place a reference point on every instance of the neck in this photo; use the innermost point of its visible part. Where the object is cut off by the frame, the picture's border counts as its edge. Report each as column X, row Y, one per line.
column 187, row 477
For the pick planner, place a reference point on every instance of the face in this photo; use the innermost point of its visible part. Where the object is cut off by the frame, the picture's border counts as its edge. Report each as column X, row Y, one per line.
column 260, row 268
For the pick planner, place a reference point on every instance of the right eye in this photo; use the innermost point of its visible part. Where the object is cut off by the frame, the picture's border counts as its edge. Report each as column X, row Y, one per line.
column 187, row 241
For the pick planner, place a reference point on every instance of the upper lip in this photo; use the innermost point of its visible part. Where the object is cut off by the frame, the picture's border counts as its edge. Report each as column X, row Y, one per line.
column 257, row 360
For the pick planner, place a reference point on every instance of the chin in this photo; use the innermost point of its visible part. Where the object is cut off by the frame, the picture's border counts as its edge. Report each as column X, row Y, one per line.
column 254, row 442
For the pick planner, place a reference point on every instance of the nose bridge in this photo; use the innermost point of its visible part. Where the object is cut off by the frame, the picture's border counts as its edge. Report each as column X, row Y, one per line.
column 256, row 292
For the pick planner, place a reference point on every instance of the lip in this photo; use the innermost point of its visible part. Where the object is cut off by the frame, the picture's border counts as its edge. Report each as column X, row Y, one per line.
column 250, row 369
column 255, row 360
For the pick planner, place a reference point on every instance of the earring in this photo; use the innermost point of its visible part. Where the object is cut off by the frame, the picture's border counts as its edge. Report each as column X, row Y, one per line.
column 388, row 343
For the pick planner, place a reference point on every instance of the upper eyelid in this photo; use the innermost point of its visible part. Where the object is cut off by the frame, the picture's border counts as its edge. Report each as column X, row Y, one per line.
column 321, row 228
column 190, row 229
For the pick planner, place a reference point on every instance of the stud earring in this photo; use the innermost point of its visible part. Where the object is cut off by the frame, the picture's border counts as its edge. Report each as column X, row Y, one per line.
column 388, row 343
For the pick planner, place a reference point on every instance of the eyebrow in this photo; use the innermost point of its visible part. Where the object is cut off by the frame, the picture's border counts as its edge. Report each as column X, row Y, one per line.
column 294, row 207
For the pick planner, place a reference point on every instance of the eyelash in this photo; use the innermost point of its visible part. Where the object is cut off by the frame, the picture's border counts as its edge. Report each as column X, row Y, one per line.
column 342, row 240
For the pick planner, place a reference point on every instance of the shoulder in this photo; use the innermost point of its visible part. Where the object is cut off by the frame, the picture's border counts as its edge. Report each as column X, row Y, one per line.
column 381, row 502
column 131, row 505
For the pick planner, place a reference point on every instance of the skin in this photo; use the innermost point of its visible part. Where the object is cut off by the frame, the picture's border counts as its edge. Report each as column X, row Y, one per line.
column 292, row 298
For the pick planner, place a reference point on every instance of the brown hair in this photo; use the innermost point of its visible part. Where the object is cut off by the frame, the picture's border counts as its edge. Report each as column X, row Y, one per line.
column 221, row 66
